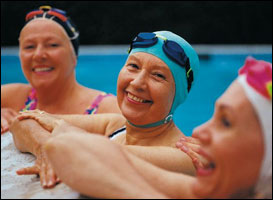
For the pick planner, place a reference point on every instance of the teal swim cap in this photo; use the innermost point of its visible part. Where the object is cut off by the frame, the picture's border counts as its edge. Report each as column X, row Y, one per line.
column 179, row 73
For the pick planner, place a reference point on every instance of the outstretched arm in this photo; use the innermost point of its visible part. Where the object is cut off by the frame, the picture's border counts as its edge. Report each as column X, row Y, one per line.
column 168, row 158
column 103, row 124
column 100, row 168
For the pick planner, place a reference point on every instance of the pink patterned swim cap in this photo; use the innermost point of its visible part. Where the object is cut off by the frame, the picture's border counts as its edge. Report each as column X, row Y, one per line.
column 258, row 75
column 256, row 79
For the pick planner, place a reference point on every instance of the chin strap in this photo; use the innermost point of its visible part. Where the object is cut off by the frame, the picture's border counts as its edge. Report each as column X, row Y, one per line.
column 164, row 121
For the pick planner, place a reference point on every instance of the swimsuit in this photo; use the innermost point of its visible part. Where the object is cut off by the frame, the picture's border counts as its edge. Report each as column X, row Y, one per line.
column 31, row 102
column 117, row 133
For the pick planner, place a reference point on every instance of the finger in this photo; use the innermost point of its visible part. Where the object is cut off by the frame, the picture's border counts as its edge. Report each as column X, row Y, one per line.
column 193, row 140
column 193, row 147
column 189, row 140
column 197, row 163
column 51, row 177
column 25, row 116
column 193, row 155
column 43, row 177
column 3, row 130
column 179, row 144
column 58, row 180
column 28, row 170
column 4, row 125
column 192, row 150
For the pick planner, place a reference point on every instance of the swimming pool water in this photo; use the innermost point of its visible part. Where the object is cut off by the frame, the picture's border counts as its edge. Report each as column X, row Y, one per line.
column 101, row 72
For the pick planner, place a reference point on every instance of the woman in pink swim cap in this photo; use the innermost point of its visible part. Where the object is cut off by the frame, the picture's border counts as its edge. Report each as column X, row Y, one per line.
column 235, row 145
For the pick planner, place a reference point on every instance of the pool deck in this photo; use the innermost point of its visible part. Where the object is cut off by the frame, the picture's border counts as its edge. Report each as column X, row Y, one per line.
column 14, row 186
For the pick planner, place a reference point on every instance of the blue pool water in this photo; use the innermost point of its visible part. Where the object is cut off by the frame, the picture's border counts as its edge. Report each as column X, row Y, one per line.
column 101, row 72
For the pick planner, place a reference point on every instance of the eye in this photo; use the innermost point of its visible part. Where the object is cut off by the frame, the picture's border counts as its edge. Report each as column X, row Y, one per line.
column 225, row 121
column 134, row 66
column 54, row 45
column 161, row 76
column 29, row 47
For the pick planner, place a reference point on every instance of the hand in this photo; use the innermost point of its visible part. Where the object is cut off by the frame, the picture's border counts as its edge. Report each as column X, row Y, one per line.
column 191, row 146
column 46, row 120
column 42, row 168
column 7, row 116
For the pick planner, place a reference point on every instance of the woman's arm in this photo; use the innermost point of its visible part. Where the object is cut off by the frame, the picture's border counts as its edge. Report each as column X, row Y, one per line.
column 12, row 100
column 98, row 167
column 30, row 137
column 168, row 158
column 103, row 124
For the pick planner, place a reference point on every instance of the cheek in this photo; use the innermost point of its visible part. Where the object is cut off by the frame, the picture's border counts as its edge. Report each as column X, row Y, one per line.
column 163, row 96
column 121, row 85
column 168, row 95
column 25, row 62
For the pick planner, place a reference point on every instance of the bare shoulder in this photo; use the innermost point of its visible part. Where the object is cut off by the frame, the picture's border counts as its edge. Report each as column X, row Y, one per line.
column 109, row 104
column 14, row 95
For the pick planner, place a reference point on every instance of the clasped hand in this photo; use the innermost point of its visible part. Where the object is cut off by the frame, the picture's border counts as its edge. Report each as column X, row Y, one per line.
column 42, row 166
column 46, row 120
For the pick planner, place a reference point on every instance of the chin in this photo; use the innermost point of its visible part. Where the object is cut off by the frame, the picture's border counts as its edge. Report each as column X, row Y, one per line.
column 206, row 187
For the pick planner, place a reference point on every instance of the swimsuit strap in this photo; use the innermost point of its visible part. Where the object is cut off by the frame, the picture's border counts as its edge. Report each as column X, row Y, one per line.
column 31, row 102
column 93, row 108
column 122, row 130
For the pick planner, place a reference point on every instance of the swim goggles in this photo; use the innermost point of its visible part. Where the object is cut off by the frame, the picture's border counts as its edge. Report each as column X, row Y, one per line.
column 171, row 48
column 58, row 16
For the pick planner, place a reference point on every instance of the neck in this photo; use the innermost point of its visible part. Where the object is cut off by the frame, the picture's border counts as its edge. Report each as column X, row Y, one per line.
column 55, row 97
column 136, row 134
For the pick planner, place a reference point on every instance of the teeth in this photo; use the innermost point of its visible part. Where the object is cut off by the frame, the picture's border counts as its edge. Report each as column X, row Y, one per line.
column 135, row 98
column 44, row 69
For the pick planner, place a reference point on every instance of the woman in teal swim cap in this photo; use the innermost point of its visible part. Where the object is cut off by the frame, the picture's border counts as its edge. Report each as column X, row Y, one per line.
column 173, row 52
column 156, row 78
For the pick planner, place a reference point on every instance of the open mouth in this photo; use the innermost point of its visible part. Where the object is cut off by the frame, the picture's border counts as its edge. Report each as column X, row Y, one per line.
column 136, row 99
column 42, row 69
column 208, row 165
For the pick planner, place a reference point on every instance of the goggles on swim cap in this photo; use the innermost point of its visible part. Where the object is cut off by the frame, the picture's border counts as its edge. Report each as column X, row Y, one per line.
column 172, row 49
column 61, row 18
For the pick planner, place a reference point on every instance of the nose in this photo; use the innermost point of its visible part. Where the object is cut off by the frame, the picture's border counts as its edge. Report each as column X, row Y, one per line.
column 139, row 81
column 39, row 53
column 203, row 133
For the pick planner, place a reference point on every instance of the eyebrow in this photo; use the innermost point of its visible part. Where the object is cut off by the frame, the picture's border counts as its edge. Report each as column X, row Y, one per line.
column 224, row 107
column 164, row 67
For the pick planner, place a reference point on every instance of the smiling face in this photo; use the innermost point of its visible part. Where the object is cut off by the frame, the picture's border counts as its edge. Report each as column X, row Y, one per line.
column 232, row 143
column 145, row 89
column 46, row 54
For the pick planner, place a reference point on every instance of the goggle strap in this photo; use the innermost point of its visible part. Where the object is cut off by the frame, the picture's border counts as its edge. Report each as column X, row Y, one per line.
column 60, row 16
column 33, row 14
column 189, row 74
column 160, row 36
